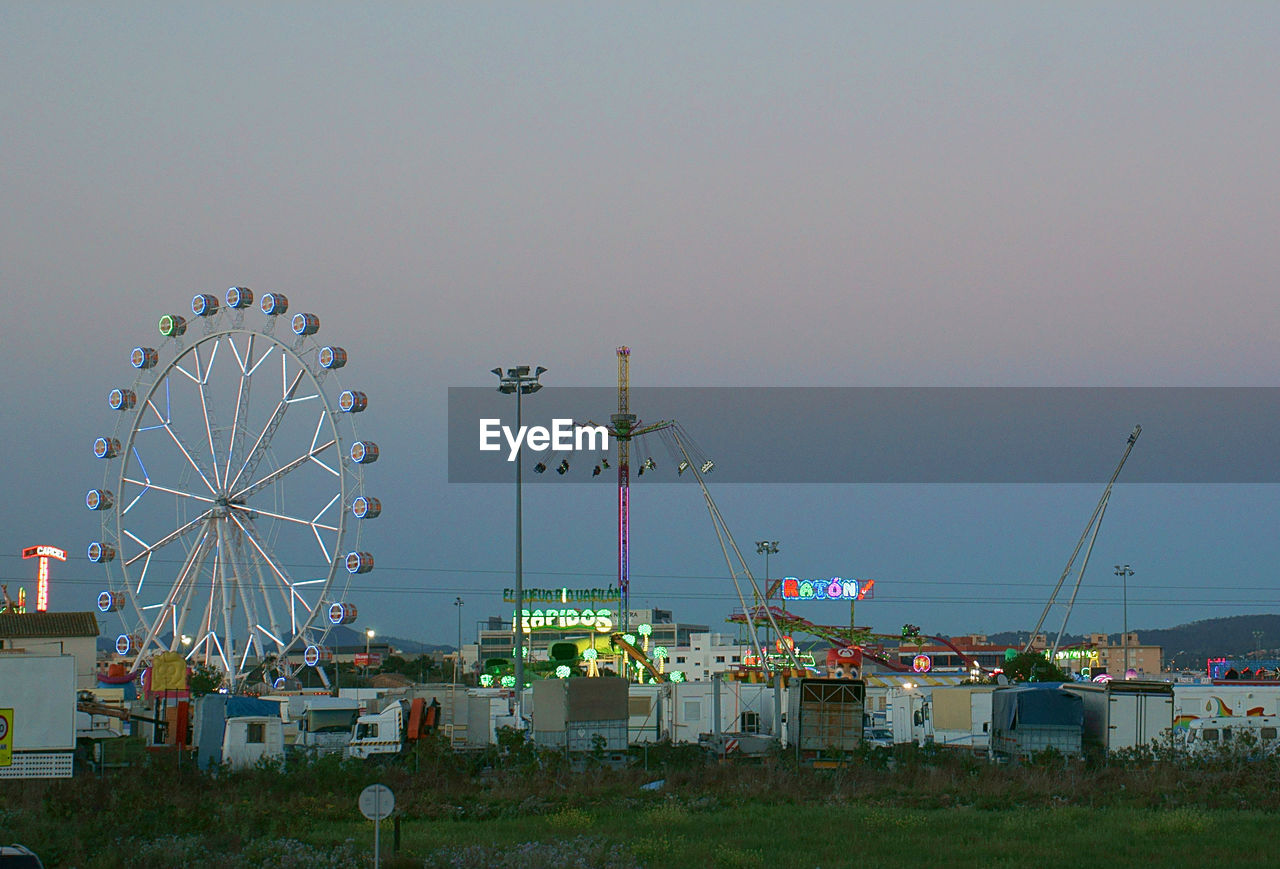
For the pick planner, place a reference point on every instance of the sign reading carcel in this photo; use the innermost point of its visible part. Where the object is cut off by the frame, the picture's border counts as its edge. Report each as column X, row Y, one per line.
column 45, row 552
column 834, row 588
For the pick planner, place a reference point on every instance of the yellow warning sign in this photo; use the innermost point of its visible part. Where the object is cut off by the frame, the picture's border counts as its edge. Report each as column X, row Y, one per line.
column 6, row 737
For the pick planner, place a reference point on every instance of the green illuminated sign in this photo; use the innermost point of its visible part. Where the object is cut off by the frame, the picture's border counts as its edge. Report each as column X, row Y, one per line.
column 568, row 619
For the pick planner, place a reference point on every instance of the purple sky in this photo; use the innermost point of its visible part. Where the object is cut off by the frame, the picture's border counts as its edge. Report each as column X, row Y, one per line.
column 764, row 194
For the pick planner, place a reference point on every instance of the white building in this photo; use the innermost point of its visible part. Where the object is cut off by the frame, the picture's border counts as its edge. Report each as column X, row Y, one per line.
column 707, row 654
column 38, row 633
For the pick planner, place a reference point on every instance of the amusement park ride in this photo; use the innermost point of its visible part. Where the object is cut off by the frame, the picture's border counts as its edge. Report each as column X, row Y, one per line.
column 233, row 501
column 846, row 643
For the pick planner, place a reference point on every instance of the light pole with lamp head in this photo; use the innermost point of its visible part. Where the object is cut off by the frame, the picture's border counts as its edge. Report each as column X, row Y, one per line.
column 521, row 381
column 457, row 661
column 1124, row 571
column 368, row 638
column 766, row 548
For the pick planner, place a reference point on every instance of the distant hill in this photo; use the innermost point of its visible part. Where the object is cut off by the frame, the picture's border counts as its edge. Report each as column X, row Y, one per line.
column 1192, row 644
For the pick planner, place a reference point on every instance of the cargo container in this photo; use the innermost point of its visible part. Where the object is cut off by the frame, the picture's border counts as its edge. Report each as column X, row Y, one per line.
column 961, row 717
column 1028, row 719
column 824, row 719
column 581, row 715
column 1125, row 714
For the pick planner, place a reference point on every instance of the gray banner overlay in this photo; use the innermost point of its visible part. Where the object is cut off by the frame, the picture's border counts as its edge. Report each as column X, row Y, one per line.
column 891, row 434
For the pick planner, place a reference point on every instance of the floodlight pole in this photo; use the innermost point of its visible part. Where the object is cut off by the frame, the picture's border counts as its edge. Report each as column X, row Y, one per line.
column 1124, row 571
column 766, row 548
column 520, row 381
column 457, row 661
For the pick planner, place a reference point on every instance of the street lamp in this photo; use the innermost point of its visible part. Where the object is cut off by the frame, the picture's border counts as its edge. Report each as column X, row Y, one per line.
column 457, row 661
column 368, row 638
column 521, row 381
column 1124, row 571
column 766, row 548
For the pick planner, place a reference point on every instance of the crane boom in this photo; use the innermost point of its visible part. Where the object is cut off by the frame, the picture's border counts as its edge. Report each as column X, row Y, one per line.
column 1090, row 532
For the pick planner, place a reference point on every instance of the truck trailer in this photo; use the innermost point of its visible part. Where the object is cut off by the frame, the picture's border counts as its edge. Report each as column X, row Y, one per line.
column 824, row 719
column 1035, row 717
column 1125, row 714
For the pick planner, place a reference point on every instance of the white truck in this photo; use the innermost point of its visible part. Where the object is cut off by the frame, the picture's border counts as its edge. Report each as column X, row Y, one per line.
column 1125, row 714
column 325, row 724
column 907, row 715
column 394, row 730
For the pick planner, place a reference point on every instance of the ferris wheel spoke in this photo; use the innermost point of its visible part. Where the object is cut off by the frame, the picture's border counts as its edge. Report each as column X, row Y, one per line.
column 245, row 359
column 284, row 470
column 228, row 601
column 271, row 610
column 148, row 548
column 316, row 447
column 147, row 484
column 195, row 466
column 166, row 610
column 273, row 422
column 192, row 562
column 162, row 419
column 283, row 586
column 277, row 570
column 242, row 396
column 297, row 520
column 209, row 424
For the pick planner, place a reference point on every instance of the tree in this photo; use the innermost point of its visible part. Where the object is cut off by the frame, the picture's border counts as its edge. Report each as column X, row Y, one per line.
column 205, row 679
column 1033, row 667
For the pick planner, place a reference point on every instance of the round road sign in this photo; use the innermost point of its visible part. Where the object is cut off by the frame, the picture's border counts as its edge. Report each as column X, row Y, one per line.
column 377, row 802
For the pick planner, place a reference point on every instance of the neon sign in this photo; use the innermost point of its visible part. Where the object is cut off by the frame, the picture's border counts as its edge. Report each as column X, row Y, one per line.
column 834, row 588
column 567, row 619
column 922, row 663
column 562, row 595
column 44, row 553
column 778, row 660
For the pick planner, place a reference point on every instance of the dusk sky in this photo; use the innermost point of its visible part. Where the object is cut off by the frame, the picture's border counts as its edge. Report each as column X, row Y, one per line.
column 746, row 194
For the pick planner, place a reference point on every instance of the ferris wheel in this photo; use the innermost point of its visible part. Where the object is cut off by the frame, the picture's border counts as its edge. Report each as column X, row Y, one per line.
column 233, row 497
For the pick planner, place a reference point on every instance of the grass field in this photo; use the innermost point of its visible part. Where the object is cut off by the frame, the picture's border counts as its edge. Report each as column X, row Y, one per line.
column 523, row 809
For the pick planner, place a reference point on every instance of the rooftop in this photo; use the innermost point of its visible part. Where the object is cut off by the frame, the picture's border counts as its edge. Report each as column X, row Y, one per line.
column 30, row 625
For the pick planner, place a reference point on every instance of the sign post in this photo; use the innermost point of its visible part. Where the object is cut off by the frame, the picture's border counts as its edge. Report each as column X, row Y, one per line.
column 377, row 802
column 6, row 737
